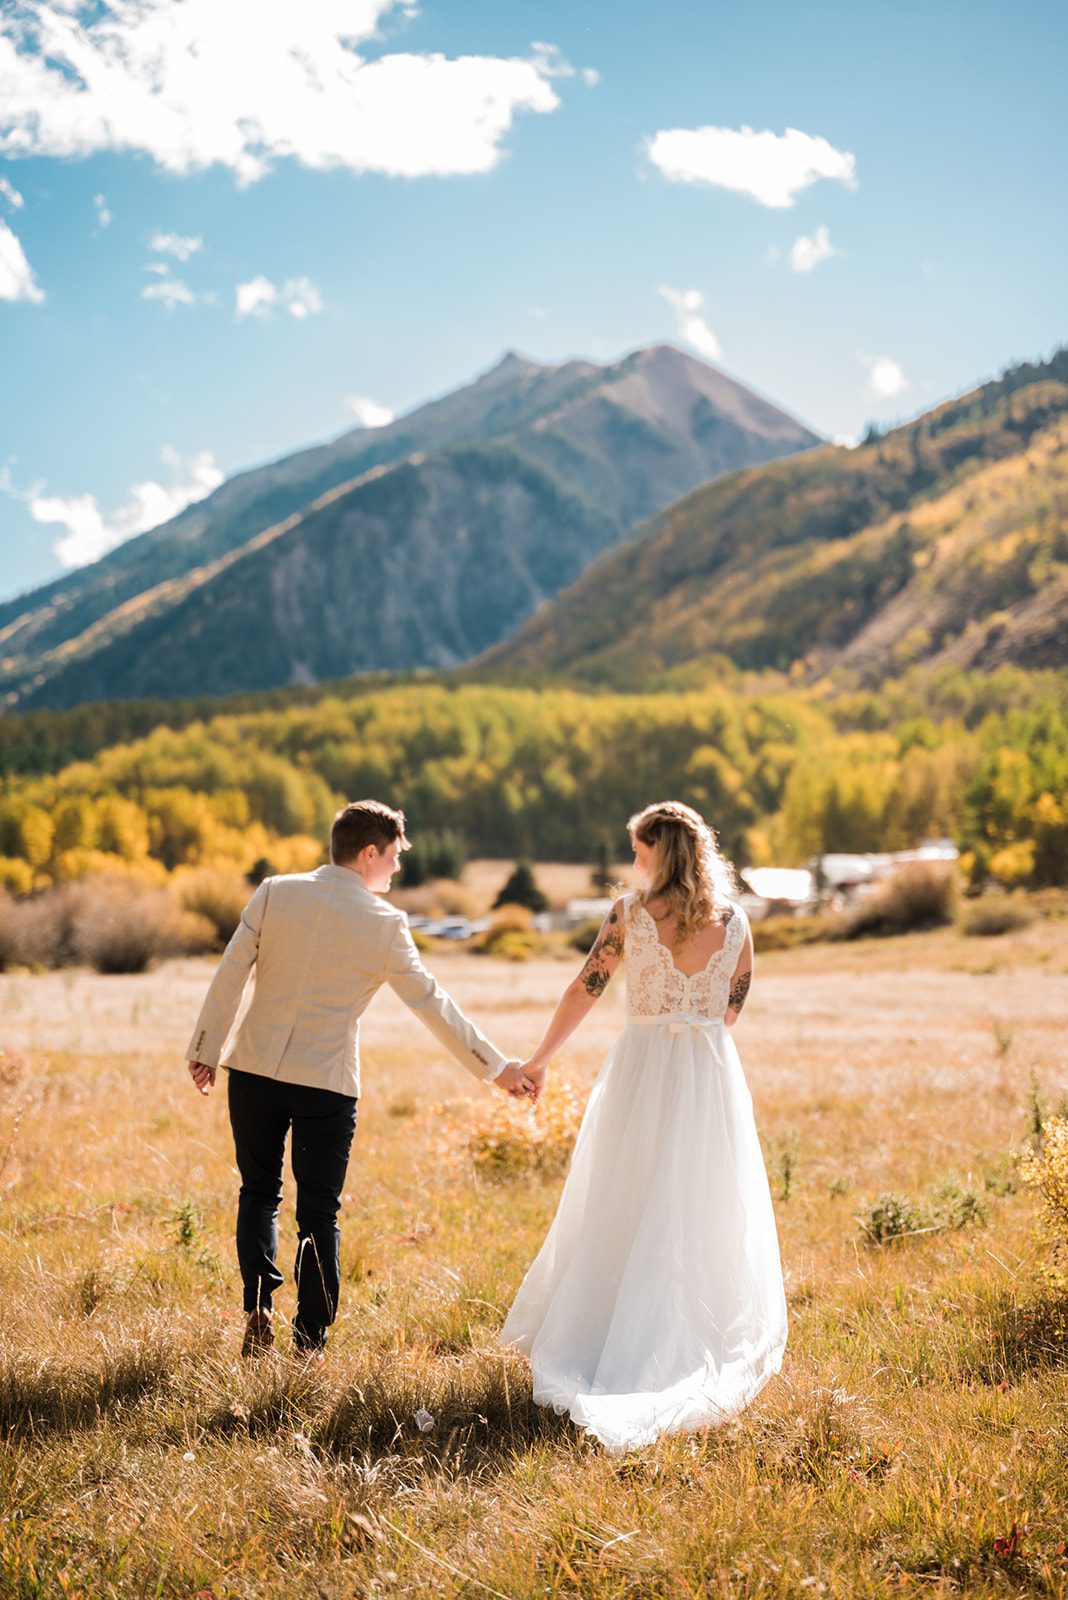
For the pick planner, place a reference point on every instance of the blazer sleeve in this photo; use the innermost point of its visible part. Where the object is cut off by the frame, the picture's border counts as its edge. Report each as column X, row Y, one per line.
column 421, row 993
column 228, row 985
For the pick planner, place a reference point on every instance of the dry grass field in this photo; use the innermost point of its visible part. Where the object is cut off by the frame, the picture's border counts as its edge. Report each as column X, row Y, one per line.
column 916, row 1442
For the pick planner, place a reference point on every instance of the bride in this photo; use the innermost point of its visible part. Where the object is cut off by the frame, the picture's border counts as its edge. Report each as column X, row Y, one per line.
column 656, row 1302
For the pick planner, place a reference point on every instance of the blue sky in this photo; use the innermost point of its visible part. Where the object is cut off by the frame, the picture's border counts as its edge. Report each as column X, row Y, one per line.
column 922, row 249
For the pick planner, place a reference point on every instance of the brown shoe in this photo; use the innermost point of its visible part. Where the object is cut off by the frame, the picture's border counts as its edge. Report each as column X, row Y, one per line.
column 259, row 1335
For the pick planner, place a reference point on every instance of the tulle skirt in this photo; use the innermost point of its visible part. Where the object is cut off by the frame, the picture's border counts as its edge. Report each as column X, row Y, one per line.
column 656, row 1302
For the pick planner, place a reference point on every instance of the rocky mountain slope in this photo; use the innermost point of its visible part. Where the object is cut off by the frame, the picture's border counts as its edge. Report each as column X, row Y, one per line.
column 944, row 541
column 418, row 544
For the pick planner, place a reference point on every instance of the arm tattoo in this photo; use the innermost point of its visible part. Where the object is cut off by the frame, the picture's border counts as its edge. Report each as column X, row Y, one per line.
column 595, row 976
column 739, row 990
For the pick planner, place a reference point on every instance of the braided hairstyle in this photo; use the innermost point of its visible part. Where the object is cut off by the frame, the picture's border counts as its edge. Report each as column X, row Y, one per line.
column 689, row 871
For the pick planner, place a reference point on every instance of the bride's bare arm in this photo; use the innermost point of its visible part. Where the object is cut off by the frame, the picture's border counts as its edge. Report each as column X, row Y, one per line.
column 582, row 992
column 743, row 977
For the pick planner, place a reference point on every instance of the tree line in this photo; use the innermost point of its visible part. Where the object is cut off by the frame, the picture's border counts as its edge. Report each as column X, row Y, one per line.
column 782, row 774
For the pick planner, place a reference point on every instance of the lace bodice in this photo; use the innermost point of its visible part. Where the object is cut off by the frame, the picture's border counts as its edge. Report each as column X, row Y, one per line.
column 656, row 987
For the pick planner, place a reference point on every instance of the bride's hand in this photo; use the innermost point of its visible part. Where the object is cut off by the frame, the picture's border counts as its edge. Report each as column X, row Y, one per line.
column 534, row 1072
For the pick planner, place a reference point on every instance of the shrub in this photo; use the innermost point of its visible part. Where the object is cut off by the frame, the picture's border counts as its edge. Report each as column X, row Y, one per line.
column 894, row 1216
column 44, row 927
column 120, row 927
column 510, row 935
column 921, row 894
column 515, row 1139
column 522, row 890
column 891, row 1216
column 1046, row 1169
column 217, row 895
column 115, row 924
column 508, row 945
column 787, row 933
column 511, row 919
column 989, row 917
column 582, row 937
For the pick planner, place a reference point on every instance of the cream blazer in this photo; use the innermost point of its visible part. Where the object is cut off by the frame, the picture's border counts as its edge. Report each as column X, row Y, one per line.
column 310, row 952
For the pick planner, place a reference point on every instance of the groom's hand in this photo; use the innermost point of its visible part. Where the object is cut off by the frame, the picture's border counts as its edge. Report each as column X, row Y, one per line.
column 514, row 1081
column 203, row 1076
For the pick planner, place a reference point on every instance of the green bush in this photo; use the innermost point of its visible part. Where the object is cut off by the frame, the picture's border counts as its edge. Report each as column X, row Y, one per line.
column 522, row 890
column 894, row 1216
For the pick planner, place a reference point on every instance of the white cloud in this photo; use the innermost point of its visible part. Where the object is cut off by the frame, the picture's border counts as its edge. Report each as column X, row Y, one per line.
column 591, row 77
column 17, row 281
column 885, row 377
column 255, row 298
column 770, row 167
column 10, row 193
column 104, row 216
column 175, row 244
column 259, row 297
column 90, row 534
column 368, row 412
column 810, row 249
column 301, row 298
column 688, row 305
column 171, row 291
column 195, row 83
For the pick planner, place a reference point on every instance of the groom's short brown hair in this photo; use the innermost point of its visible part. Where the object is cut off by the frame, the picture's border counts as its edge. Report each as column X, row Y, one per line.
column 361, row 823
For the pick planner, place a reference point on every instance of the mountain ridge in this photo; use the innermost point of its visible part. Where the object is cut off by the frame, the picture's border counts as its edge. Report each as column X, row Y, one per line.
column 621, row 439
column 712, row 574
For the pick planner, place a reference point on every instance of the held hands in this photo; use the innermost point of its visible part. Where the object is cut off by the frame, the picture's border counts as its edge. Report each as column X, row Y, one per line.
column 203, row 1076
column 515, row 1081
column 535, row 1072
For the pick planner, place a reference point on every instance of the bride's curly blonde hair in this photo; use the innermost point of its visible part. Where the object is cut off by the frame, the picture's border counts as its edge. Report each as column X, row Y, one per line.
column 689, row 871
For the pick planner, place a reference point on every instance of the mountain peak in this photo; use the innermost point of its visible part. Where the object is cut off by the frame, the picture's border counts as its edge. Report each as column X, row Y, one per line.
column 511, row 365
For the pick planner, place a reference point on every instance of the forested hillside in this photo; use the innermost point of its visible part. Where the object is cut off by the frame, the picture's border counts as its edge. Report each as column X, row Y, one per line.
column 944, row 541
column 982, row 758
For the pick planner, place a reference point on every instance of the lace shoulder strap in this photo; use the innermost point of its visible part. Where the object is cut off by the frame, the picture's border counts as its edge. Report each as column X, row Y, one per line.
column 736, row 932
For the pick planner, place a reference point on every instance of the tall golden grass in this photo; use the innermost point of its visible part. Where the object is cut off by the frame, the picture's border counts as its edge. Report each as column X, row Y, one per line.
column 914, row 1444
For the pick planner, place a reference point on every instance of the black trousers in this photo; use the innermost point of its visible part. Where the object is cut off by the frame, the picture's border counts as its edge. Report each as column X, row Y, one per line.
column 262, row 1112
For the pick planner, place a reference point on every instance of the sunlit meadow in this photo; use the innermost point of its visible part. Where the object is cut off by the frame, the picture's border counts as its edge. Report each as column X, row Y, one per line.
column 915, row 1443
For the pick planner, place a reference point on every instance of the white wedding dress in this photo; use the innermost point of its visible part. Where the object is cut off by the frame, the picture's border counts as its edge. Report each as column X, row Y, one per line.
column 656, row 1302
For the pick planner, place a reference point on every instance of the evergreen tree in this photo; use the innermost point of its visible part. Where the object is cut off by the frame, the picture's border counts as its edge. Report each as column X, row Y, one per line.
column 522, row 890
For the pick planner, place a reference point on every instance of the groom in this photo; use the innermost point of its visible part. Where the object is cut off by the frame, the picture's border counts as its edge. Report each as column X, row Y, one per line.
column 317, row 946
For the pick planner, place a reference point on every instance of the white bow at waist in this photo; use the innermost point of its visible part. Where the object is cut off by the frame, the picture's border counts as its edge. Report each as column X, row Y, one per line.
column 678, row 1022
